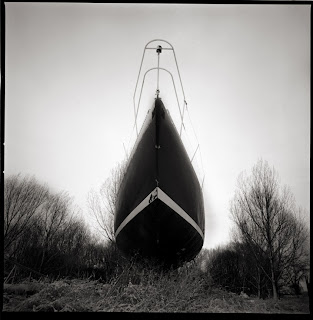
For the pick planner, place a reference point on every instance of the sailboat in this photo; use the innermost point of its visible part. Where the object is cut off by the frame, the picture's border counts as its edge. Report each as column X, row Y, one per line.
column 159, row 208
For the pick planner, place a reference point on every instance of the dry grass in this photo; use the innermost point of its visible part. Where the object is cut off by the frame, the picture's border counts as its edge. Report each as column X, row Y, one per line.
column 139, row 289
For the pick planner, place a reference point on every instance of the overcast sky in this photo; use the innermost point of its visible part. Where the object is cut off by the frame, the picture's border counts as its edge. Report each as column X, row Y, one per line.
column 71, row 71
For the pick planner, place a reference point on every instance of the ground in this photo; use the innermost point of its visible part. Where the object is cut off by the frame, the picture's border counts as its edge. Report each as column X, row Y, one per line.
column 93, row 296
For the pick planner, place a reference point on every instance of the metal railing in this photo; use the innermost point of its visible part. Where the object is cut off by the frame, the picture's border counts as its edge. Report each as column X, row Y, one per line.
column 158, row 68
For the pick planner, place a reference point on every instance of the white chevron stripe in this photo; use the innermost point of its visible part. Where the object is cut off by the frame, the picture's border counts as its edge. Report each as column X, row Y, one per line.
column 157, row 193
column 144, row 203
column 173, row 205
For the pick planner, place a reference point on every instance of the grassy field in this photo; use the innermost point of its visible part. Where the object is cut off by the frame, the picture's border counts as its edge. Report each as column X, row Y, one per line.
column 142, row 290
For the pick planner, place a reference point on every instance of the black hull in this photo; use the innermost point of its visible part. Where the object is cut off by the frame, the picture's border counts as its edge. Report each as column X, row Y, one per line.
column 159, row 210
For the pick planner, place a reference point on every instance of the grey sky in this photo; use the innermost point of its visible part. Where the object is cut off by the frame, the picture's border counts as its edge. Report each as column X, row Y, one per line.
column 71, row 71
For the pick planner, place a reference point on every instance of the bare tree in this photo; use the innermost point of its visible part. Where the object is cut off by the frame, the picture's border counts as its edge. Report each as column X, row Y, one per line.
column 102, row 203
column 264, row 215
column 44, row 235
column 54, row 217
column 296, row 256
column 22, row 199
column 73, row 243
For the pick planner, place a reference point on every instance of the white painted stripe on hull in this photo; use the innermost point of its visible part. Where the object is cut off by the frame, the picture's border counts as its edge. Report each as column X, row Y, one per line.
column 157, row 193
column 173, row 205
column 144, row 203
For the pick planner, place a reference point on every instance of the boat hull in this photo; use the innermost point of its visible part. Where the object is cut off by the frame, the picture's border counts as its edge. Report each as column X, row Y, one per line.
column 159, row 209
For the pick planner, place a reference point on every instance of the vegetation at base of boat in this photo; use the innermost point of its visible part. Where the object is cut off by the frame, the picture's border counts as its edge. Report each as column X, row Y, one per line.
column 141, row 286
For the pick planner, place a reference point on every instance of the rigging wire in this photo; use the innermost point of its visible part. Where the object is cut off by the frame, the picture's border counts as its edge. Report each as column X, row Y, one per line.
column 198, row 143
column 185, row 108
